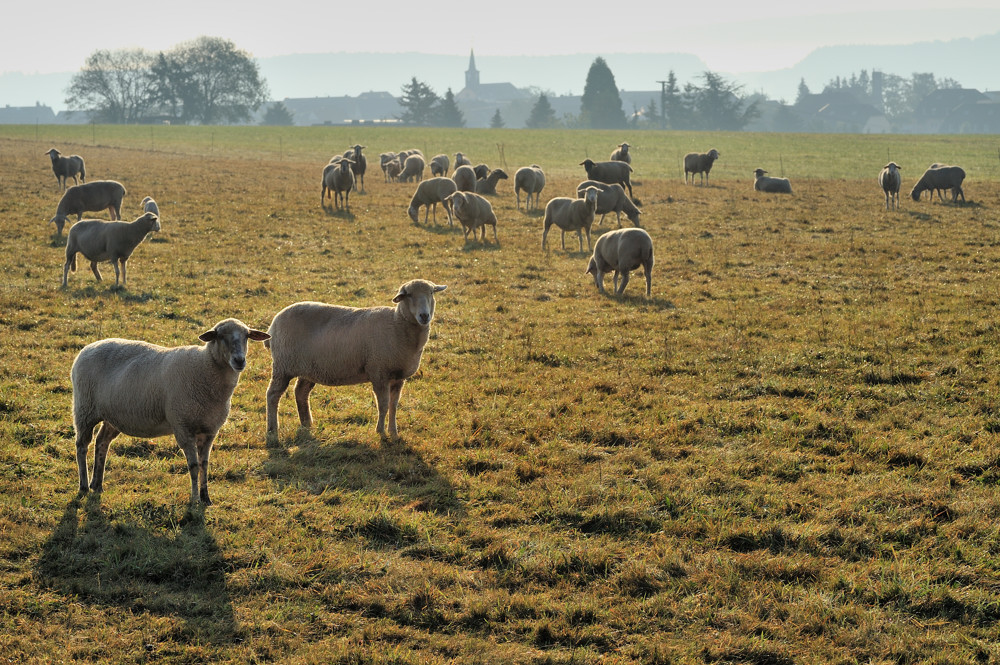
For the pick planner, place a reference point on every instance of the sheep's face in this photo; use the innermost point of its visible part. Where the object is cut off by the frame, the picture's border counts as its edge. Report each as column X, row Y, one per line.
column 60, row 222
column 152, row 219
column 713, row 154
column 230, row 338
column 412, row 212
column 416, row 300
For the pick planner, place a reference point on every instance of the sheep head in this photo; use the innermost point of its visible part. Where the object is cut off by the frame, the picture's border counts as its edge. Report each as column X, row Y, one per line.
column 60, row 222
column 415, row 300
column 228, row 342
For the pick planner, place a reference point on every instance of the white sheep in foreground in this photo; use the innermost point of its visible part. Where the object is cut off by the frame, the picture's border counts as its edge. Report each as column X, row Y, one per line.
column 939, row 177
column 488, row 185
column 89, row 197
column 144, row 390
column 531, row 179
column 413, row 169
column 98, row 241
column 338, row 181
column 429, row 193
column 889, row 180
column 763, row 183
column 465, row 178
column 439, row 165
column 332, row 345
column 611, row 199
column 622, row 250
column 699, row 162
column 67, row 167
column 149, row 205
column 571, row 215
column 609, row 172
column 621, row 154
column 473, row 212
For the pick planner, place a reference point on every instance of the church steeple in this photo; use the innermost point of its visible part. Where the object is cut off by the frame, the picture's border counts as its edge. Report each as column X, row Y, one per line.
column 472, row 74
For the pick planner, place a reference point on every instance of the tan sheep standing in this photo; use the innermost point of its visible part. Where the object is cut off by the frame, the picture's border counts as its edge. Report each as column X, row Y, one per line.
column 429, row 193
column 89, row 197
column 571, row 215
column 99, row 241
column 332, row 345
column 889, row 180
column 67, row 167
column 140, row 389
column 622, row 251
column 699, row 162
column 473, row 212
column 530, row 179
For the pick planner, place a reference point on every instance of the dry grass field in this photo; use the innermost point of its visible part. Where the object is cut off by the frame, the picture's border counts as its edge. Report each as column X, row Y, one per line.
column 789, row 454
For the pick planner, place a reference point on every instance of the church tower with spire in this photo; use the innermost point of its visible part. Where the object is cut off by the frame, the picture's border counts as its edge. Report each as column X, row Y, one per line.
column 472, row 74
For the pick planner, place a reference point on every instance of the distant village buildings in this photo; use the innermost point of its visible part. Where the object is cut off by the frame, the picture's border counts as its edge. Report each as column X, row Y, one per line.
column 952, row 110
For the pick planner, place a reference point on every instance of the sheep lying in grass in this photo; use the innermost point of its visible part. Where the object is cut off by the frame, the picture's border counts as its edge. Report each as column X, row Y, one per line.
column 611, row 199
column 889, row 180
column 571, row 215
column 98, row 241
column 609, row 172
column 941, row 177
column 531, row 179
column 89, row 197
column 429, row 193
column 143, row 390
column 621, row 154
column 488, row 185
column 338, row 181
column 439, row 165
column 413, row 169
column 332, row 345
column 622, row 250
column 763, row 183
column 67, row 167
column 473, row 212
column 465, row 178
column 699, row 162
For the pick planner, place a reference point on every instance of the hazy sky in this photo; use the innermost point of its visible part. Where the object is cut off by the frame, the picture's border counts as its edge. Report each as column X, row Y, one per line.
column 729, row 36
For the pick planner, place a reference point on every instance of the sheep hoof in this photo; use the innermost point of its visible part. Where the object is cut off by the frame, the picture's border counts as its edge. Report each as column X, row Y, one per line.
column 203, row 495
column 96, row 487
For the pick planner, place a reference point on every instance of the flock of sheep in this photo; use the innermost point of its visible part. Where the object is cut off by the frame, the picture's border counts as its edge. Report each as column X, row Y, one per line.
column 144, row 390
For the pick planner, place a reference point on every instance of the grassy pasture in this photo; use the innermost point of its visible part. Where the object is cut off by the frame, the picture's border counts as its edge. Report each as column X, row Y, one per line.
column 788, row 455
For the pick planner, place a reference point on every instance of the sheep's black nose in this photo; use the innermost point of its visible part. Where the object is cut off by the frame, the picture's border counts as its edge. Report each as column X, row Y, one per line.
column 424, row 318
column 239, row 364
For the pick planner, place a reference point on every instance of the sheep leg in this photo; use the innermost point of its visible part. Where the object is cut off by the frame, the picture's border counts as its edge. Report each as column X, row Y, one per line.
column 204, row 444
column 383, row 398
column 625, row 277
column 277, row 387
column 124, row 274
column 495, row 239
column 579, row 236
column 648, row 270
column 302, row 389
column 103, row 442
column 188, row 444
column 587, row 229
column 84, row 434
column 97, row 273
column 395, row 390
column 114, row 264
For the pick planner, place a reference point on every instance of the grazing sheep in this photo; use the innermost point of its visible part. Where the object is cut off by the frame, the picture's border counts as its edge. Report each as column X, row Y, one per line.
column 149, row 205
column 413, row 169
column 699, row 162
column 473, row 211
column 532, row 180
column 440, row 164
column 358, row 166
column 140, row 389
column 98, row 240
column 488, row 185
column 609, row 172
column 622, row 250
column 461, row 160
column 429, row 193
column 465, row 178
column 611, row 199
column 621, row 154
column 338, row 346
column 67, row 167
column 941, row 177
column 763, row 183
column 89, row 197
column 338, row 181
column 384, row 160
column 889, row 180
column 571, row 215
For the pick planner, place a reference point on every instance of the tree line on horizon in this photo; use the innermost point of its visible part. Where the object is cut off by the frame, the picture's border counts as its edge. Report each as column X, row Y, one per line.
column 210, row 81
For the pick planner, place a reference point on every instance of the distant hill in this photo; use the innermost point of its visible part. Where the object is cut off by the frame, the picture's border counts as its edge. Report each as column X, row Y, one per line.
column 972, row 62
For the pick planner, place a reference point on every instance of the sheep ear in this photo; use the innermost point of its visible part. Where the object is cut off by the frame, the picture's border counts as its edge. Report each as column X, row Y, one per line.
column 402, row 294
column 209, row 336
column 440, row 287
column 258, row 335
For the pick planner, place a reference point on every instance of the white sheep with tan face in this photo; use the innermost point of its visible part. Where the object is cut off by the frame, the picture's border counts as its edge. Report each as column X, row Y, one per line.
column 332, row 345
column 141, row 389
